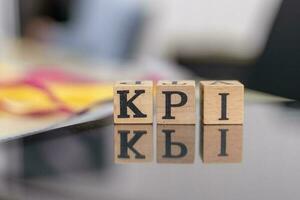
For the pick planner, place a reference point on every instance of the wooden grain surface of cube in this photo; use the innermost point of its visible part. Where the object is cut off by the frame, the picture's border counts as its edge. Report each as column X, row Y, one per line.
column 133, row 102
column 175, row 143
column 222, row 143
column 222, row 102
column 175, row 102
column 133, row 143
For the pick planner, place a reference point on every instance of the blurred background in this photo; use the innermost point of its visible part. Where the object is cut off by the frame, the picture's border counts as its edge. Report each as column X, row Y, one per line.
column 59, row 58
column 253, row 41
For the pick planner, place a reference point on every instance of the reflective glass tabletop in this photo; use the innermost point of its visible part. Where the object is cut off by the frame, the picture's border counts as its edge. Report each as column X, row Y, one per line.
column 99, row 160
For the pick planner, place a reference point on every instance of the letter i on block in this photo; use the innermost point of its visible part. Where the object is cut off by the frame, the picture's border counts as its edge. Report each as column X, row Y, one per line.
column 133, row 102
column 175, row 102
column 222, row 102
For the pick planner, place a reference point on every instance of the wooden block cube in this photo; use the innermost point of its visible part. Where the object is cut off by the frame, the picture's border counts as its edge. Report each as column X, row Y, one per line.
column 175, row 143
column 222, row 143
column 133, row 102
column 222, row 102
column 175, row 102
column 133, row 143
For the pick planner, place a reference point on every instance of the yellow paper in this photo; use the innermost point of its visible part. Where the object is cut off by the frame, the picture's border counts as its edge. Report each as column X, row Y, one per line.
column 81, row 95
column 23, row 99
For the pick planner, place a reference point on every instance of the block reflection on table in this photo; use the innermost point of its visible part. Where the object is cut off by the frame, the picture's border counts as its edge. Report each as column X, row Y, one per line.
column 175, row 143
column 222, row 143
column 133, row 143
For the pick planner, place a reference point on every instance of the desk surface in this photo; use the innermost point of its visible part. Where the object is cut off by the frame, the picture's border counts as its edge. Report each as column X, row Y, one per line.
column 79, row 162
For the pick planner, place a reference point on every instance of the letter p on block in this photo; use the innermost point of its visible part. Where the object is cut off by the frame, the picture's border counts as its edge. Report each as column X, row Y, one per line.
column 175, row 102
column 133, row 102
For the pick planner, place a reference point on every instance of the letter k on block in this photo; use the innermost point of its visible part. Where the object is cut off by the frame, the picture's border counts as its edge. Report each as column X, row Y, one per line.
column 133, row 102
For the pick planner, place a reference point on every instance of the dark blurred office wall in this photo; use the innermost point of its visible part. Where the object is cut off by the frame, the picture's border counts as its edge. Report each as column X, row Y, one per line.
column 276, row 71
